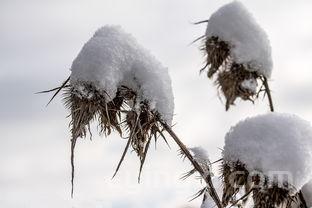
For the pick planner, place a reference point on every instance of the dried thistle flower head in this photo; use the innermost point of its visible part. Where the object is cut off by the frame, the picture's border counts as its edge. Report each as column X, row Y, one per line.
column 237, row 52
column 86, row 103
column 266, row 161
column 264, row 192
column 235, row 80
column 119, row 84
column 126, row 113
column 233, row 180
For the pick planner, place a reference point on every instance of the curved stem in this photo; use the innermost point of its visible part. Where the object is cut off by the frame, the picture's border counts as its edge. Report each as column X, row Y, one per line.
column 211, row 190
column 268, row 92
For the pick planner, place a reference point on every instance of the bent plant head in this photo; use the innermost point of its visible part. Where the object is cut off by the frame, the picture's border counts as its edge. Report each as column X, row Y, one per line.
column 228, row 75
column 126, row 114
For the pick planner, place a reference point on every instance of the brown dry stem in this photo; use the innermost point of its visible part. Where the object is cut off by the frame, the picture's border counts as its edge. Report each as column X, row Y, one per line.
column 207, row 177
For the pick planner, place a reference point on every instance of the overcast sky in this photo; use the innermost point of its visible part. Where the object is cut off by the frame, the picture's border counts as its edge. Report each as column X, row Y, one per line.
column 38, row 41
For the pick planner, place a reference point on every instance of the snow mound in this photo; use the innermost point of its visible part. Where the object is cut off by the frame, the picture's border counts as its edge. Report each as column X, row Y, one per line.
column 273, row 144
column 250, row 85
column 112, row 58
column 248, row 42
column 307, row 193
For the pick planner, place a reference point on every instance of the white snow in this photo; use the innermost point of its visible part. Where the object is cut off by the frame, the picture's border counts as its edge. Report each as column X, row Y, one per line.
column 273, row 144
column 250, row 85
column 249, row 43
column 112, row 58
column 307, row 193
column 200, row 154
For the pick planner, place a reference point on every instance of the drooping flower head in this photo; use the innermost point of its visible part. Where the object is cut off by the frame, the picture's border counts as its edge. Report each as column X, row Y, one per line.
column 237, row 51
column 270, row 156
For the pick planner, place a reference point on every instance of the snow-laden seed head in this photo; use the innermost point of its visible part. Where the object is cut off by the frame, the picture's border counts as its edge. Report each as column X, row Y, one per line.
column 234, row 178
column 265, row 193
column 125, row 113
column 273, row 196
column 119, row 84
column 277, row 163
column 234, row 80
column 231, row 85
column 86, row 103
column 236, row 49
column 142, row 125
column 217, row 52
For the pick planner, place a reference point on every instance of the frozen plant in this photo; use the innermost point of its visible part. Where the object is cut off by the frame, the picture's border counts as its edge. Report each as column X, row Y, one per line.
column 121, row 85
column 238, row 52
column 269, row 162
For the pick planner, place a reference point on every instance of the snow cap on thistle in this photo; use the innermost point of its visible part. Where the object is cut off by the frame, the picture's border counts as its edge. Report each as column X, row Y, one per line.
column 274, row 147
column 238, row 51
column 113, row 58
column 118, row 83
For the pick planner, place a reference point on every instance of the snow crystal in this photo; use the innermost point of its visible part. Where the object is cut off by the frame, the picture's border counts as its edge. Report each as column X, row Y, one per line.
column 307, row 193
column 250, row 85
column 249, row 43
column 274, row 144
column 112, row 58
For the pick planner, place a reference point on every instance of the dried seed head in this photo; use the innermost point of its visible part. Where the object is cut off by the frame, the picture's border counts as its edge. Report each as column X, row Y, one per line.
column 231, row 82
column 217, row 52
column 125, row 113
column 233, row 79
column 265, row 193
column 86, row 103
column 234, row 178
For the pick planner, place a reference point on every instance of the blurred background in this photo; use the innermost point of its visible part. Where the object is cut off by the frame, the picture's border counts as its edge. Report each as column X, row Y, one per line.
column 39, row 40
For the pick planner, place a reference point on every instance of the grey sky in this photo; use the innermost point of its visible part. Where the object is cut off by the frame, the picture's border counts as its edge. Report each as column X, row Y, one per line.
column 38, row 41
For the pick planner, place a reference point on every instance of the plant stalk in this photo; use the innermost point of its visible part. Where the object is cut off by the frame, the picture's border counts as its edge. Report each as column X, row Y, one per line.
column 211, row 189
column 268, row 92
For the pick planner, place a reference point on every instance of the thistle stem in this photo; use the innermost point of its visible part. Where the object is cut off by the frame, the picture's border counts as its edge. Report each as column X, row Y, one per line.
column 268, row 92
column 304, row 203
column 72, row 149
column 211, row 189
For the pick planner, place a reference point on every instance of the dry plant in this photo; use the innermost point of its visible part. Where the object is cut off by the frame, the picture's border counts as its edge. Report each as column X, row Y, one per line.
column 229, row 74
column 124, row 115
column 265, row 193
column 133, row 119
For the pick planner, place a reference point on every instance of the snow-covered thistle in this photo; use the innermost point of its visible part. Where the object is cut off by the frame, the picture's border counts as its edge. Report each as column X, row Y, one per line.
column 270, row 163
column 238, row 53
column 117, row 83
